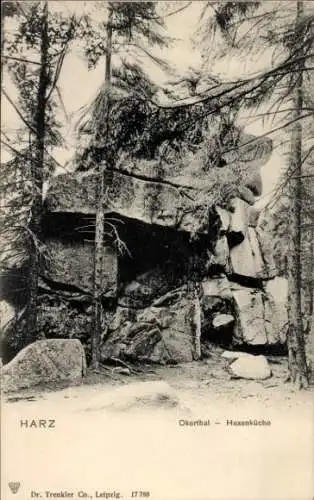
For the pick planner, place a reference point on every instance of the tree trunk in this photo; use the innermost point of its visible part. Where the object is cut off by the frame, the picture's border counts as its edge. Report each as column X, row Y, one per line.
column 311, row 274
column 298, row 371
column 2, row 40
column 100, row 220
column 37, row 168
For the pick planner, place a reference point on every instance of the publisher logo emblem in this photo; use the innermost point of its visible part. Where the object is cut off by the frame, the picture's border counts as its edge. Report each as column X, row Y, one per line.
column 14, row 486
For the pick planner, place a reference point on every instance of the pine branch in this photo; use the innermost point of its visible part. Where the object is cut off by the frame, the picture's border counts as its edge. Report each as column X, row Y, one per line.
column 57, row 71
column 15, row 151
column 266, row 134
column 20, row 59
column 61, row 57
column 28, row 125
column 238, row 85
column 302, row 176
column 173, row 12
column 23, row 155
column 307, row 154
column 156, row 59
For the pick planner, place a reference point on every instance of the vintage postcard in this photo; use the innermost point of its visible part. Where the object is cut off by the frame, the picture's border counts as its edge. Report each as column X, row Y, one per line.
column 157, row 264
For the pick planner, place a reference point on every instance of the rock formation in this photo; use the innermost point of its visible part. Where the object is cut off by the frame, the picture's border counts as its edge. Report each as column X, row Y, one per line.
column 192, row 268
column 46, row 361
column 244, row 365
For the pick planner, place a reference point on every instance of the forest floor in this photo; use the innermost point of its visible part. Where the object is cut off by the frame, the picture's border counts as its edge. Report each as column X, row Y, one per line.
column 204, row 378
column 96, row 444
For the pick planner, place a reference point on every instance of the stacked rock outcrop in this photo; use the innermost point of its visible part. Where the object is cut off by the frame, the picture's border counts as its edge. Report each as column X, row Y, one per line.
column 192, row 268
column 182, row 260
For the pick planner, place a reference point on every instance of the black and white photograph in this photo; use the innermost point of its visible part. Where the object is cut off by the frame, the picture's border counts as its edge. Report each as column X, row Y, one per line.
column 157, row 250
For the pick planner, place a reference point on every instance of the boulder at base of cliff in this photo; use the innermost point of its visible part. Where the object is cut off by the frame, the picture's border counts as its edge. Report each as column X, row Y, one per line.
column 45, row 361
column 255, row 316
column 250, row 367
column 166, row 332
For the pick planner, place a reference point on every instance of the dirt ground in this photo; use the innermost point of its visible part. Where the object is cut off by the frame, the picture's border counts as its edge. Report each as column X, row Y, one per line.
column 200, row 378
column 147, row 449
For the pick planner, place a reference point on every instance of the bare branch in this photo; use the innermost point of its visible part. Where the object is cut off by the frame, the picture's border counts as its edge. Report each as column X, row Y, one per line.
column 62, row 103
column 20, row 59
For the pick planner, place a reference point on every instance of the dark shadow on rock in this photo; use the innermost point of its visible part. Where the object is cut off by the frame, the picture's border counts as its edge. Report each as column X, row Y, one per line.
column 266, row 349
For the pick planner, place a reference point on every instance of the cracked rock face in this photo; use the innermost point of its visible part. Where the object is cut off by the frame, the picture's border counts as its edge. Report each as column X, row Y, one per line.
column 166, row 332
column 71, row 263
column 158, row 317
column 254, row 318
column 169, row 195
column 191, row 268
column 167, row 203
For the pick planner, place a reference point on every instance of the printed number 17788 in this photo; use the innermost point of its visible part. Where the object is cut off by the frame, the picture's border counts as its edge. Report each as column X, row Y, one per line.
column 140, row 494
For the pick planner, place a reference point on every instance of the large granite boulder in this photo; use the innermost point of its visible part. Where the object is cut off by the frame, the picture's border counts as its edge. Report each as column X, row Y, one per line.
column 255, row 316
column 137, row 198
column 176, row 194
column 168, row 331
column 71, row 263
column 11, row 320
column 246, row 258
column 249, row 259
column 43, row 362
column 250, row 367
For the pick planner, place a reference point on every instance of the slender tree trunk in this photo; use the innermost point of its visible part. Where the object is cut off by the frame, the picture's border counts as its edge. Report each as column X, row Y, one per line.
column 2, row 40
column 37, row 169
column 100, row 219
column 298, row 372
column 311, row 273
